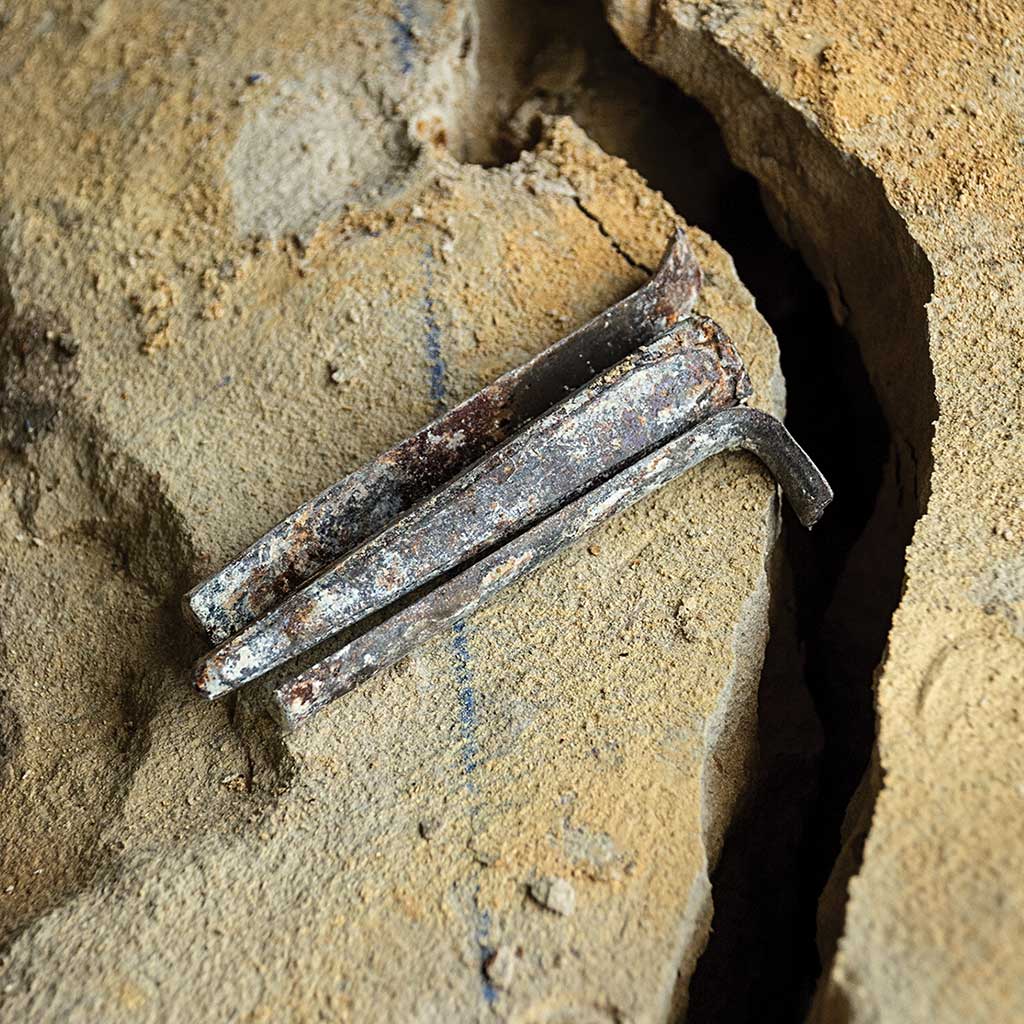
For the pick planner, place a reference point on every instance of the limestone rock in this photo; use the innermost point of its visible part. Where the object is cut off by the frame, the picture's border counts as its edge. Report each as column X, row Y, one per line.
column 887, row 138
column 255, row 304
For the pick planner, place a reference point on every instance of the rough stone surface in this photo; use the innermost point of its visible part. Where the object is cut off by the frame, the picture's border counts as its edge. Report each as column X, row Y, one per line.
column 556, row 894
column 889, row 139
column 215, row 300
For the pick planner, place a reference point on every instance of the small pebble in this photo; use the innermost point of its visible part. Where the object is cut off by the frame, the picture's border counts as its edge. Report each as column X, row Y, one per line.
column 500, row 967
column 555, row 894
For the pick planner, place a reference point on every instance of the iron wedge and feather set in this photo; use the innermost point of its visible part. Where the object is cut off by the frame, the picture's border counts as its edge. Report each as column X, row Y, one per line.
column 439, row 525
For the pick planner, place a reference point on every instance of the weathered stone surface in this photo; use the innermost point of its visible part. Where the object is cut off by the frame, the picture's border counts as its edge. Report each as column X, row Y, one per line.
column 165, row 859
column 889, row 139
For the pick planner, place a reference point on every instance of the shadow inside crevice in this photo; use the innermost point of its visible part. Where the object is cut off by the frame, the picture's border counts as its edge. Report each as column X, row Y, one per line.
column 837, row 588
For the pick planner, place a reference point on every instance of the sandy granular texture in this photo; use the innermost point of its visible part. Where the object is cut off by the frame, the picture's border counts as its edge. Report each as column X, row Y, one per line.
column 890, row 138
column 175, row 384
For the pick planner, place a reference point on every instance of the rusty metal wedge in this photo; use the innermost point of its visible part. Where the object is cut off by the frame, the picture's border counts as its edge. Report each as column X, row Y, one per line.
column 335, row 521
column 657, row 392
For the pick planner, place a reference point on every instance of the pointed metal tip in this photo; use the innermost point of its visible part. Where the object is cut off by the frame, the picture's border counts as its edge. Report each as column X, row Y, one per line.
column 678, row 278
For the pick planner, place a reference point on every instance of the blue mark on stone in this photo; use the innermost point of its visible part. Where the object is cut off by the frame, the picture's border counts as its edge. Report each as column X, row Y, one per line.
column 435, row 360
column 469, row 752
column 483, row 929
column 462, row 662
column 403, row 38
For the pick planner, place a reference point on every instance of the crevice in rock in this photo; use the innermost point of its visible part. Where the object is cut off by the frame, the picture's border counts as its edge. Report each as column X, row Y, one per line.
column 635, row 264
column 837, row 276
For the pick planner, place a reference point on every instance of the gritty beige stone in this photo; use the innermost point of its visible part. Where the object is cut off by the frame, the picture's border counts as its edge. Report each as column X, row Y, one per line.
column 500, row 968
column 556, row 894
column 203, row 325
column 888, row 136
